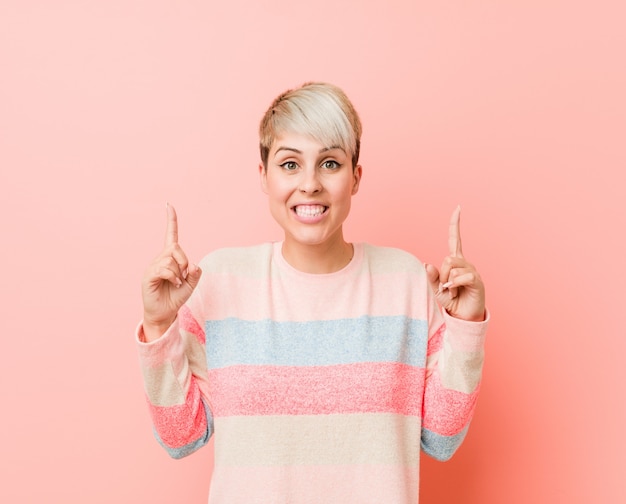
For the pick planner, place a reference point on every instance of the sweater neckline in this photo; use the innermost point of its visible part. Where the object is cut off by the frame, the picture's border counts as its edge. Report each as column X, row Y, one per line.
column 354, row 264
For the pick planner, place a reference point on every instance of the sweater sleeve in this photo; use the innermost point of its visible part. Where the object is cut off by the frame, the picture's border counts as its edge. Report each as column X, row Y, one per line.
column 453, row 373
column 175, row 382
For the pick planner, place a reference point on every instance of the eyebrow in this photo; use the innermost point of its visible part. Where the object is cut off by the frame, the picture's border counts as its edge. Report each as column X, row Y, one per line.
column 297, row 151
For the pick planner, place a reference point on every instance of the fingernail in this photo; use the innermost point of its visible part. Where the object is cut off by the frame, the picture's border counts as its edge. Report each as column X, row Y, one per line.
column 447, row 285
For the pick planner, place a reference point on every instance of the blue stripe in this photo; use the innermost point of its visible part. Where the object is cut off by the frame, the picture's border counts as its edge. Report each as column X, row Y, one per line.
column 441, row 447
column 317, row 343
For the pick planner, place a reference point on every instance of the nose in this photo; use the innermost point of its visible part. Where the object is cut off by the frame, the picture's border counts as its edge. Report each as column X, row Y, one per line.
column 310, row 182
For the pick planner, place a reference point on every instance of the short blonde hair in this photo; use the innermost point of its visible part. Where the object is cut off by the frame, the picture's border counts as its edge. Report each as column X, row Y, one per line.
column 317, row 109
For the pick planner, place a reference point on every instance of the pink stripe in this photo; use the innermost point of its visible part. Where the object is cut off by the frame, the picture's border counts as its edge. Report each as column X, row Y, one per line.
column 188, row 323
column 316, row 390
column 435, row 342
column 446, row 411
column 181, row 424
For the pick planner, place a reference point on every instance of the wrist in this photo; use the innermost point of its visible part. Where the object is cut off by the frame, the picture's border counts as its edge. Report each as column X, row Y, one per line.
column 154, row 330
column 470, row 317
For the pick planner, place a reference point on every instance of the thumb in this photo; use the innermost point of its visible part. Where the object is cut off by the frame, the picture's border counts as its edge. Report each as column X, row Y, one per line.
column 193, row 276
column 432, row 274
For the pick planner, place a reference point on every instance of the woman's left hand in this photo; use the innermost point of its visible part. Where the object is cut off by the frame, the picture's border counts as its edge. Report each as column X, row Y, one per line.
column 457, row 285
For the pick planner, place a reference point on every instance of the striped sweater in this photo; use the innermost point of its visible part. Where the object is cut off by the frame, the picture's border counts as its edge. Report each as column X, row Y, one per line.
column 318, row 388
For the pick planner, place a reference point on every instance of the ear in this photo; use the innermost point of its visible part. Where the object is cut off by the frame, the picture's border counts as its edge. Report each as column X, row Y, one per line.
column 358, row 172
column 263, row 177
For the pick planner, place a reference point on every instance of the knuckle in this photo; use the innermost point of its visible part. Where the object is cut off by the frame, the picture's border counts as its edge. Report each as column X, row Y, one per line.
column 171, row 249
column 164, row 272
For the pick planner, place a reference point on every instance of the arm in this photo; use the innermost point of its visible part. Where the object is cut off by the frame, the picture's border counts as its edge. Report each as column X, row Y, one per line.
column 455, row 349
column 171, row 349
column 175, row 378
column 453, row 373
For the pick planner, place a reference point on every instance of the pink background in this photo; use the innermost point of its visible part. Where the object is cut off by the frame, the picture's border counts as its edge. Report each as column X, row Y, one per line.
column 516, row 110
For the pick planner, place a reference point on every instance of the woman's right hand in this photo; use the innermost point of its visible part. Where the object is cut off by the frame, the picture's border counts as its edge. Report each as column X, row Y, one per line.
column 167, row 283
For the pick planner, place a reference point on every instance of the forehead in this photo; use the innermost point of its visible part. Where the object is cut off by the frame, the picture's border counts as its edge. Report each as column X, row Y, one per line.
column 299, row 142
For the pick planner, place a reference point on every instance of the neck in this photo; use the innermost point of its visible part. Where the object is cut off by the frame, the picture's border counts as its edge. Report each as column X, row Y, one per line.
column 326, row 257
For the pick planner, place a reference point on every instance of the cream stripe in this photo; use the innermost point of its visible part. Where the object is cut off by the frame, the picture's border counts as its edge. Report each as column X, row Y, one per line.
column 460, row 371
column 161, row 385
column 166, row 386
column 383, row 439
column 364, row 484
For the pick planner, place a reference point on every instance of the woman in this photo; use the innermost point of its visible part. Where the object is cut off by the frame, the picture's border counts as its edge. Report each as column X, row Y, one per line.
column 321, row 366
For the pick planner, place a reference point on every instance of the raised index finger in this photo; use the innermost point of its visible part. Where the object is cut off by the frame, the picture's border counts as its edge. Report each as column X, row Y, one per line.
column 454, row 233
column 171, row 231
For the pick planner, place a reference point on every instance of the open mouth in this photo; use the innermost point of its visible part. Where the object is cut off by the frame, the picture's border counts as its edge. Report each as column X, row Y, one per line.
column 309, row 210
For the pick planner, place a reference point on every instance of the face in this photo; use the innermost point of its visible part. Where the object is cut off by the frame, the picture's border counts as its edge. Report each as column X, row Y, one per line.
column 310, row 187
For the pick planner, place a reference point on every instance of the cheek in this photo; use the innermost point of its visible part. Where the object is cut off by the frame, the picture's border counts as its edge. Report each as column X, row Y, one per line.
column 347, row 189
column 278, row 189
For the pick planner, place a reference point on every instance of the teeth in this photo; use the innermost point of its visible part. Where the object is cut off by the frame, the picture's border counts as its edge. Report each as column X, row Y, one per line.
column 310, row 210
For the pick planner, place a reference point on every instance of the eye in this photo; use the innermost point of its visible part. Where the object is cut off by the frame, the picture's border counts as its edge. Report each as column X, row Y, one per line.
column 330, row 165
column 289, row 165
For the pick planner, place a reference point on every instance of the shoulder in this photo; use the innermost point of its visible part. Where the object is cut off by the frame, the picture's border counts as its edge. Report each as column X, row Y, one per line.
column 391, row 260
column 237, row 259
